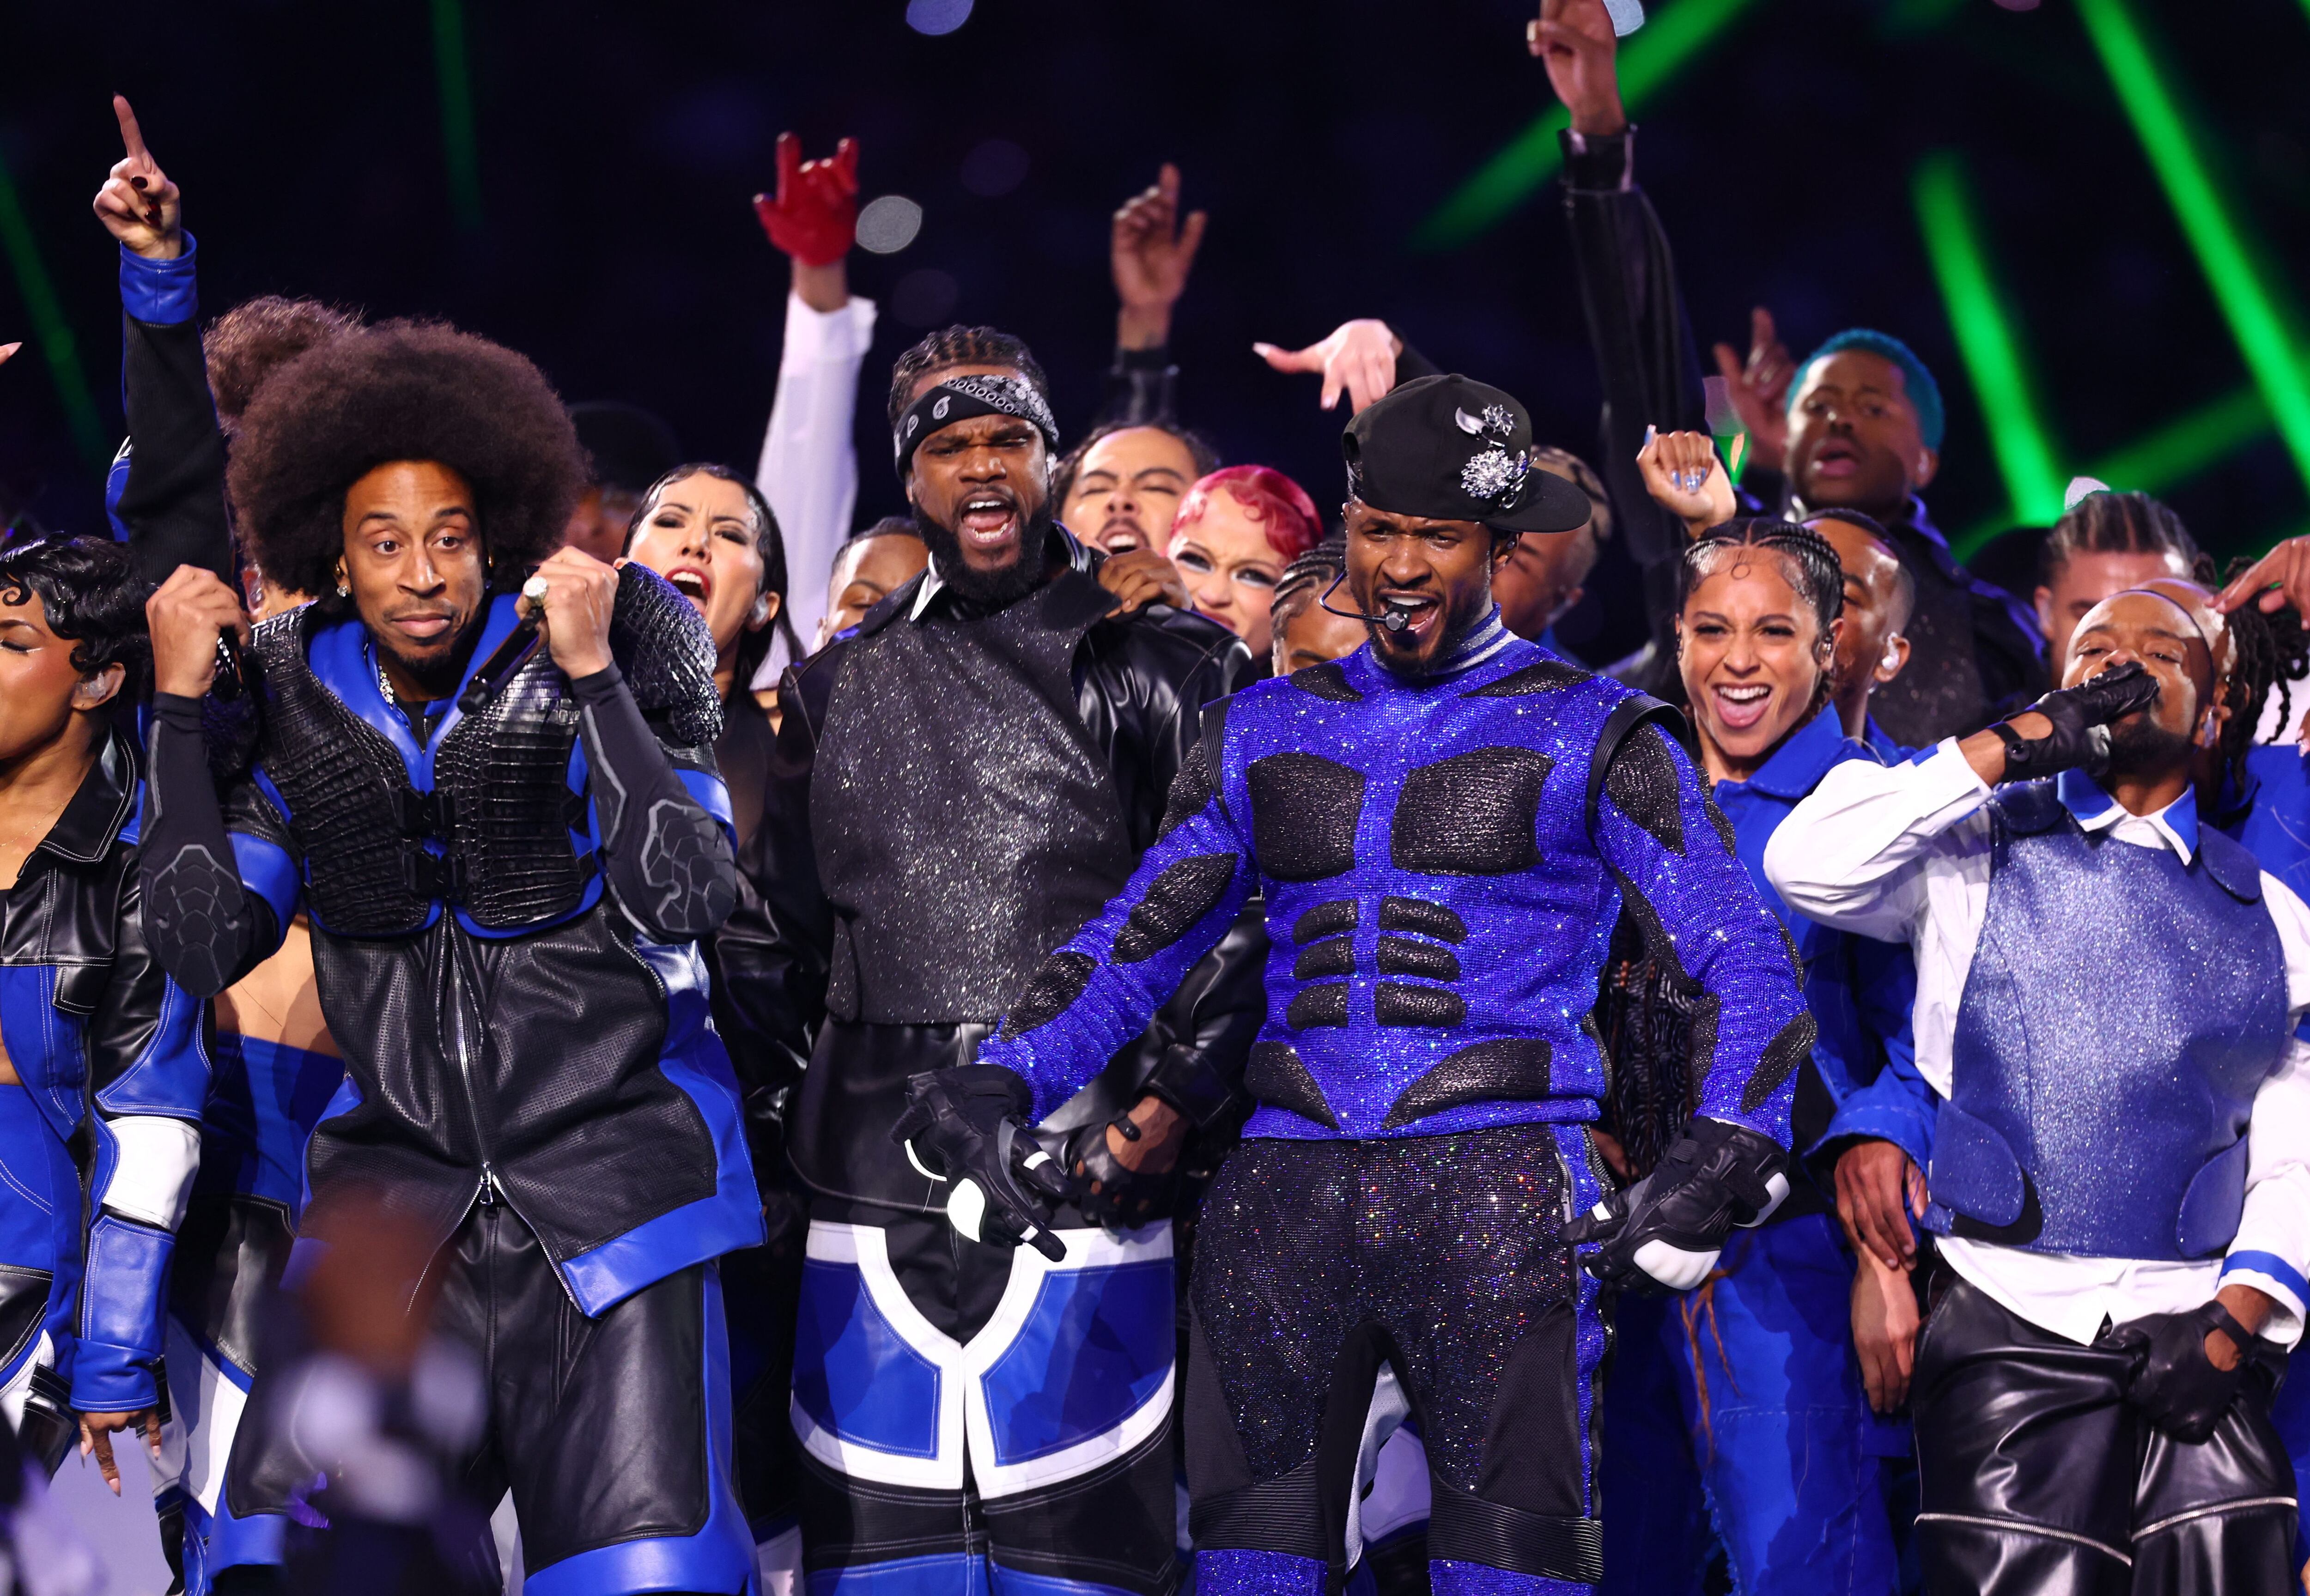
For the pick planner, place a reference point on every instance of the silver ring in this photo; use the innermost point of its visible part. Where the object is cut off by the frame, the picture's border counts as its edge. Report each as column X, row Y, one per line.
column 536, row 589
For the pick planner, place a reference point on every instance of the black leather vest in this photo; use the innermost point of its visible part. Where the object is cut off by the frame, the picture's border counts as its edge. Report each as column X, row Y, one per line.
column 966, row 821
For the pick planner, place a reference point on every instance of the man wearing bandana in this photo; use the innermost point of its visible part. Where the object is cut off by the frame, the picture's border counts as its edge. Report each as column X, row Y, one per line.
column 1442, row 828
column 963, row 780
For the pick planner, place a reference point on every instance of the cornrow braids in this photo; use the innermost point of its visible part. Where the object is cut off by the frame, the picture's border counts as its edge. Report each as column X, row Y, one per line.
column 1316, row 569
column 962, row 346
column 1813, row 570
column 2107, row 521
column 2269, row 651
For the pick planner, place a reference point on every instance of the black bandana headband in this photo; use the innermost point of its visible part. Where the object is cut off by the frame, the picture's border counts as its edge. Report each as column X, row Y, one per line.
column 961, row 398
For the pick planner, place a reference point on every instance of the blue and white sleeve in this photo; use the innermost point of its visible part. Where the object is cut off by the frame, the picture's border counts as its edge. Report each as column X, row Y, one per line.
column 150, row 1076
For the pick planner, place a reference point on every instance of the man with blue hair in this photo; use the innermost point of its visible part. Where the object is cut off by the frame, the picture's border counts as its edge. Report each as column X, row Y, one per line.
column 1861, row 429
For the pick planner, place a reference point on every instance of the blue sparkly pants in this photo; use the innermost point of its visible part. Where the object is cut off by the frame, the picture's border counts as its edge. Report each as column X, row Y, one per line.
column 1741, row 1405
column 1441, row 1258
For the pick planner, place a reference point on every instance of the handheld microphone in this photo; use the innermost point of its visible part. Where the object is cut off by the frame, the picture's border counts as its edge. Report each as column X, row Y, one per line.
column 1396, row 620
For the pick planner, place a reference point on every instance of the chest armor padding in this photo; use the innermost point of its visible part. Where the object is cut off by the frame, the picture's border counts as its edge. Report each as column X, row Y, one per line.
column 1471, row 815
column 501, row 807
column 965, row 823
column 504, row 773
column 1304, row 810
column 343, row 784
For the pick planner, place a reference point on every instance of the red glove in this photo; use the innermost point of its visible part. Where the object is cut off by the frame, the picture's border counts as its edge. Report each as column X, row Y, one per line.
column 816, row 211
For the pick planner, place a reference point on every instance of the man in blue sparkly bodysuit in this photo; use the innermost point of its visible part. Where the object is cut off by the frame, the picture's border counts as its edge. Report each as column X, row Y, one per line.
column 1444, row 827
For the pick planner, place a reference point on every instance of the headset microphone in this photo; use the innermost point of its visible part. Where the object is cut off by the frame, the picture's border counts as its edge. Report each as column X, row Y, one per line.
column 1396, row 620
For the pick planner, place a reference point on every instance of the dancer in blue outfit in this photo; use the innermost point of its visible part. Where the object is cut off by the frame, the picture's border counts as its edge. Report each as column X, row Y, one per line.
column 1443, row 827
column 1740, row 1402
column 2108, row 994
column 99, row 1051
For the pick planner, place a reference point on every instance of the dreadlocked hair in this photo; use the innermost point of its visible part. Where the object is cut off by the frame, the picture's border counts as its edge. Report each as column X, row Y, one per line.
column 89, row 594
column 945, row 349
column 402, row 390
column 2107, row 521
column 1311, row 573
column 769, row 543
column 2269, row 652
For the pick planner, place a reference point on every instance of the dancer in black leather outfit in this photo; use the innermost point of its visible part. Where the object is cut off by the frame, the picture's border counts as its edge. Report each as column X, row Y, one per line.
column 962, row 782
column 493, row 793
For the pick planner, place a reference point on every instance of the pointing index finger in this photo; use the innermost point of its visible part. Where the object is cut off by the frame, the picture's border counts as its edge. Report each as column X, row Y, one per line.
column 132, row 138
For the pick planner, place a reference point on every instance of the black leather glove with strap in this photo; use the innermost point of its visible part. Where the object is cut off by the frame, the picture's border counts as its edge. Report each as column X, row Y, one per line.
column 1664, row 1233
column 2080, row 715
column 967, row 1126
column 1113, row 1192
column 2175, row 1384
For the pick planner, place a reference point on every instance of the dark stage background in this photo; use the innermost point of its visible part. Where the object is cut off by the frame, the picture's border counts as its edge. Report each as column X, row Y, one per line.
column 598, row 218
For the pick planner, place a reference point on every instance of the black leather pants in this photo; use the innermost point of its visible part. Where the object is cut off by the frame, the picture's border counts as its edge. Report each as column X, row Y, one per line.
column 2040, row 1479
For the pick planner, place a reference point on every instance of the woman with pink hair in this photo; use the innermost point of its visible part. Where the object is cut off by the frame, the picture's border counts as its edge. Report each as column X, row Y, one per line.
column 1237, row 529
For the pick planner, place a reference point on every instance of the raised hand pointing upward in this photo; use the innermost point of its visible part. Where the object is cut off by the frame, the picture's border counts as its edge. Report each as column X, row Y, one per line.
column 1152, row 250
column 138, row 204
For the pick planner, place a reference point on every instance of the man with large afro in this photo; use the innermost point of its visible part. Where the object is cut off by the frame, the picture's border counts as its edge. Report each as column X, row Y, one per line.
column 484, row 773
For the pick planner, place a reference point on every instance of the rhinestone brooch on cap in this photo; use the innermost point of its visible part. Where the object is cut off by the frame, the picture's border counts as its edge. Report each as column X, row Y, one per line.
column 1494, row 476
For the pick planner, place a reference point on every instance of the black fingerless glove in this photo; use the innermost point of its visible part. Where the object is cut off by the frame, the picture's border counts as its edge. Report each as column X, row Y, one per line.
column 967, row 1126
column 2080, row 715
column 2173, row 1383
column 1663, row 1233
column 1109, row 1191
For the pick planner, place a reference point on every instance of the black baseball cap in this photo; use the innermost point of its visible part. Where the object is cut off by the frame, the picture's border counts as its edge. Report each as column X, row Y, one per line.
column 1449, row 448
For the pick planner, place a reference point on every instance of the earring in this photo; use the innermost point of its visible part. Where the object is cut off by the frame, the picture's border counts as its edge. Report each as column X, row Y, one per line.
column 761, row 612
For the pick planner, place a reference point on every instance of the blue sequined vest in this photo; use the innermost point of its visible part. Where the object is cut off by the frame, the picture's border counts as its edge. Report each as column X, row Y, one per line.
column 2121, row 1011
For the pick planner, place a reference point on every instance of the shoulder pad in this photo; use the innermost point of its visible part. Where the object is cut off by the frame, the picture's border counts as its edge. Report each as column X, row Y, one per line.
column 2231, row 865
column 662, row 645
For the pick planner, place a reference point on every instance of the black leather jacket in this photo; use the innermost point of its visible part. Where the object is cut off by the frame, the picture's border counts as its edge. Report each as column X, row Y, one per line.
column 109, row 1051
column 1139, row 682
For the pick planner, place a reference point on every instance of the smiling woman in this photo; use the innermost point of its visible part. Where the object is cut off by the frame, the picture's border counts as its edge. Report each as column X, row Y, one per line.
column 1756, row 639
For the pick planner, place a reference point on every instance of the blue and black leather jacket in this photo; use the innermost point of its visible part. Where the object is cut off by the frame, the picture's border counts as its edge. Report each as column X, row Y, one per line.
column 108, row 1051
column 505, row 911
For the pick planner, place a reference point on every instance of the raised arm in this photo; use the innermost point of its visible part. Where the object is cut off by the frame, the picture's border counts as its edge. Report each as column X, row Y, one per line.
column 166, row 493
column 1852, row 854
column 809, row 466
column 216, row 896
column 1628, row 292
column 1152, row 252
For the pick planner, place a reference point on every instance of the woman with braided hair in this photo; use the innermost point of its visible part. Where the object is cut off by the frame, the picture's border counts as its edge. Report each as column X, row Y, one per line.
column 1739, row 1403
column 1304, row 631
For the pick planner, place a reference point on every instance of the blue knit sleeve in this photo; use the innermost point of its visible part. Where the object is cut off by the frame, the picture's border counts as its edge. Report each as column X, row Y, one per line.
column 1671, row 850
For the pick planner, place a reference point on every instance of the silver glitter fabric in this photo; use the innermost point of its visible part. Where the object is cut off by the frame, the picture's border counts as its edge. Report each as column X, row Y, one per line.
column 956, row 849
column 1454, row 1244
column 2122, row 1010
